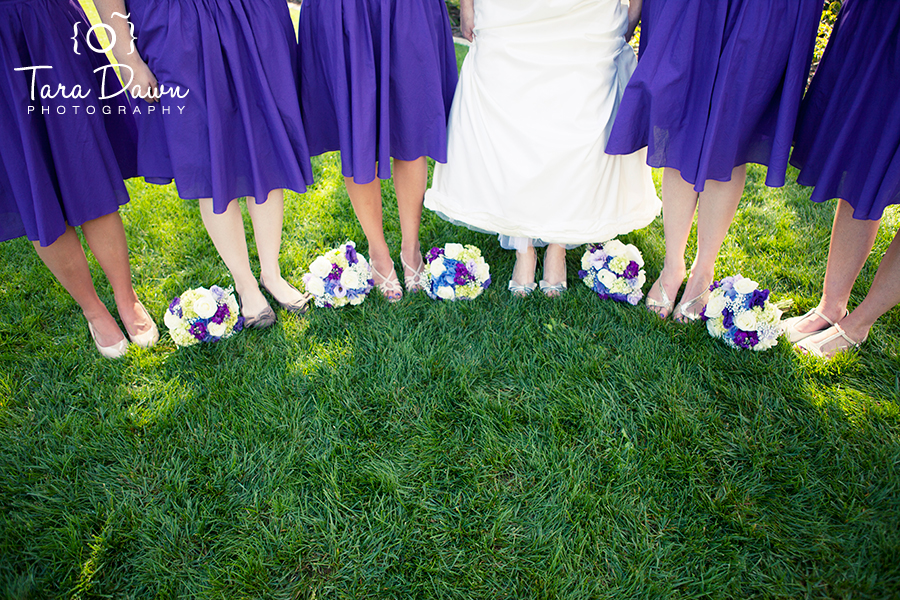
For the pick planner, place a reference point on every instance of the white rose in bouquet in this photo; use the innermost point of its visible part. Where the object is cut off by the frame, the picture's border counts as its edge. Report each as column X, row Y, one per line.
column 453, row 251
column 204, row 304
column 745, row 286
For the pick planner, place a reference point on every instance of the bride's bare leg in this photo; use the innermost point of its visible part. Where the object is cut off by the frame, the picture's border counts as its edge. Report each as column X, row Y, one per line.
column 523, row 271
column 554, row 267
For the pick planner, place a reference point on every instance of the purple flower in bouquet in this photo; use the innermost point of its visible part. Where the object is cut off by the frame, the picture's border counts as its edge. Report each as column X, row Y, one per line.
column 218, row 293
column 746, row 339
column 175, row 307
column 221, row 314
column 434, row 253
column 727, row 319
column 632, row 270
column 350, row 254
column 199, row 330
column 758, row 298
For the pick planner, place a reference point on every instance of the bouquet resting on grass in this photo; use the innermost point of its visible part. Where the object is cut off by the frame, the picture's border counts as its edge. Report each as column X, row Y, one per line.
column 203, row 315
column 456, row 272
column 339, row 277
column 614, row 270
column 740, row 314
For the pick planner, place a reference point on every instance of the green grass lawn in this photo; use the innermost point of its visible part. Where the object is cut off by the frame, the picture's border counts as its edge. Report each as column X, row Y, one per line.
column 503, row 448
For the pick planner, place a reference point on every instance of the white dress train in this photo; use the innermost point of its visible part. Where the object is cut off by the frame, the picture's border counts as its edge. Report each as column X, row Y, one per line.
column 536, row 100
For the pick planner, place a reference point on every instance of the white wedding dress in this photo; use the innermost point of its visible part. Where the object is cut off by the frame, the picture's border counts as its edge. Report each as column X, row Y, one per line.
column 536, row 100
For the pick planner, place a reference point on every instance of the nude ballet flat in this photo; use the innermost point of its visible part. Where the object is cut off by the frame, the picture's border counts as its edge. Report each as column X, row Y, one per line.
column 298, row 307
column 117, row 350
column 148, row 338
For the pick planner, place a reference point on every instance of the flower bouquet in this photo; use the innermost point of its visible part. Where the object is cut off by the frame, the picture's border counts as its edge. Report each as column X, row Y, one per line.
column 456, row 272
column 203, row 315
column 339, row 277
column 613, row 270
column 741, row 315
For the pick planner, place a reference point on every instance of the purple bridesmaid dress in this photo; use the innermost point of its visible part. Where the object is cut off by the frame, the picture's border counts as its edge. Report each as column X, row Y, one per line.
column 62, row 160
column 848, row 135
column 718, row 84
column 377, row 81
column 238, row 131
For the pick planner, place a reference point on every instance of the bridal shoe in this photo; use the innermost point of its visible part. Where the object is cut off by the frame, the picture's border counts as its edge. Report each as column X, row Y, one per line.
column 553, row 291
column 521, row 290
column 117, row 350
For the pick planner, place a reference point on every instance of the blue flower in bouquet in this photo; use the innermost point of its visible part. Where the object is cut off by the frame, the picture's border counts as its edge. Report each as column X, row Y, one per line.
column 456, row 272
column 203, row 315
column 740, row 314
column 614, row 271
column 339, row 277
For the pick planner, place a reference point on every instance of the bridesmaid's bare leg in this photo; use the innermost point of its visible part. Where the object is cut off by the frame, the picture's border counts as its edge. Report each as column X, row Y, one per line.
column 268, row 219
column 851, row 242
column 717, row 205
column 882, row 297
column 410, row 180
column 227, row 233
column 366, row 200
column 106, row 237
column 679, row 205
column 66, row 260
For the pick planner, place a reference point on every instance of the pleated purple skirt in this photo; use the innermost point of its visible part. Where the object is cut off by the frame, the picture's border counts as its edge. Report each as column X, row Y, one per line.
column 848, row 135
column 238, row 131
column 718, row 85
column 377, row 81
column 62, row 160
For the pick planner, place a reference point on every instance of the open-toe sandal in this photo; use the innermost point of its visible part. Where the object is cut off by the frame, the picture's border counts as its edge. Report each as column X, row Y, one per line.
column 807, row 346
column 683, row 312
column 661, row 308
column 413, row 280
column 388, row 286
column 789, row 326
column 520, row 290
column 553, row 291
